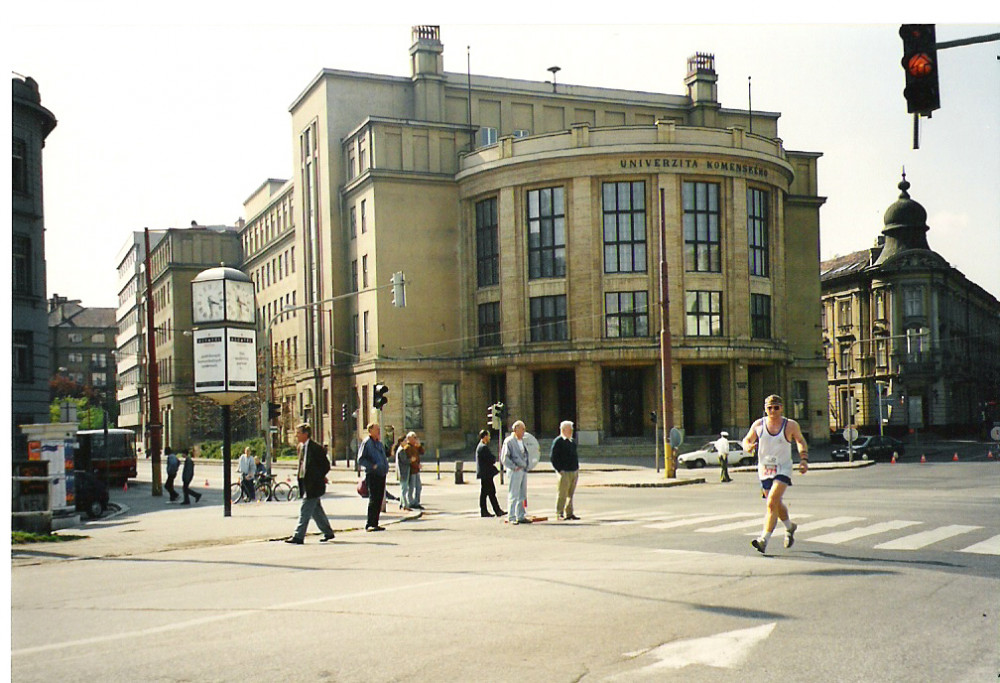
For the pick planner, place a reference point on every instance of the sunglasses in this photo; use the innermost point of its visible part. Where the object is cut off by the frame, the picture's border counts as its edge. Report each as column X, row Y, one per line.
column 773, row 408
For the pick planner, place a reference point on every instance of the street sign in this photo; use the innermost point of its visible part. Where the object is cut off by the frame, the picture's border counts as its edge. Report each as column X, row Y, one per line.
column 995, row 433
column 273, row 429
column 850, row 434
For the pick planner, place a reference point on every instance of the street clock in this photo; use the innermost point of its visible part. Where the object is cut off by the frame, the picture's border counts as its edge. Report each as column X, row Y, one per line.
column 240, row 305
column 208, row 301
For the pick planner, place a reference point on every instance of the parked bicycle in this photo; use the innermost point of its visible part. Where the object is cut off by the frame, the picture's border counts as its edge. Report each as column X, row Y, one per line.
column 265, row 489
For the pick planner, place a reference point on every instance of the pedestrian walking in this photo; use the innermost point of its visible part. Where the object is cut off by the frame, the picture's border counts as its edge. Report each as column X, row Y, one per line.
column 414, row 449
column 371, row 456
column 187, row 476
column 722, row 448
column 566, row 463
column 247, row 470
column 313, row 466
column 514, row 457
column 173, row 466
column 486, row 469
column 772, row 436
column 403, row 473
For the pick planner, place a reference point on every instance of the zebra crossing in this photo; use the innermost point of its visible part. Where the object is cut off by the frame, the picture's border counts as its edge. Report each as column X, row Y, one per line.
column 836, row 530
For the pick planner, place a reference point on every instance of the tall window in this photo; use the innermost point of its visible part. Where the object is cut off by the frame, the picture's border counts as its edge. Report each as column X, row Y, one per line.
column 364, row 271
column 546, row 233
column 449, row 405
column 487, row 243
column 624, row 227
column 757, row 232
column 846, row 361
column 548, row 318
column 364, row 332
column 413, row 406
column 364, row 215
column 626, row 314
column 354, row 275
column 703, row 313
column 702, row 245
column 800, row 399
column 489, row 324
column 913, row 301
column 354, row 221
column 356, row 329
column 21, row 277
column 760, row 316
column 19, row 173
column 23, row 356
column 881, row 352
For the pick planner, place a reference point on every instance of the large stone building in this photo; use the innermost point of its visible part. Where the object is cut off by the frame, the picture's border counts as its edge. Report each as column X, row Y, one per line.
column 527, row 218
column 82, row 344
column 31, row 124
column 909, row 338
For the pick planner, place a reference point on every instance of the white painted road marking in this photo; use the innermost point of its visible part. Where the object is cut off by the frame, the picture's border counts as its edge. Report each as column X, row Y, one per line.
column 925, row 538
column 724, row 650
column 861, row 532
column 991, row 546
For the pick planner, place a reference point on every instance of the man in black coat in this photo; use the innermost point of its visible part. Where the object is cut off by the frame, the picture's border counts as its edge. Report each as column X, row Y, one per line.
column 313, row 467
column 485, row 471
column 187, row 476
column 567, row 465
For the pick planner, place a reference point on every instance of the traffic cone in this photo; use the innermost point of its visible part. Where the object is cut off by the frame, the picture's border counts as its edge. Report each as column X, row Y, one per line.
column 989, row 456
column 206, row 483
column 125, row 486
column 893, row 461
column 955, row 458
column 923, row 459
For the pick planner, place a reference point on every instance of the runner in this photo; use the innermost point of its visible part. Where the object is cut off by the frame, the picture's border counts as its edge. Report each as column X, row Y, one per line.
column 772, row 436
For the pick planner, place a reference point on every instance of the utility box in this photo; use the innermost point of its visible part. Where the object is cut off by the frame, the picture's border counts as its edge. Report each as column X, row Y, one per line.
column 54, row 445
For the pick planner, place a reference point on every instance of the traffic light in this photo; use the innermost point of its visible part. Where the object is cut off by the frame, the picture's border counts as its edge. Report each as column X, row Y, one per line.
column 379, row 399
column 398, row 290
column 273, row 411
column 921, row 67
column 501, row 412
column 343, row 412
column 491, row 416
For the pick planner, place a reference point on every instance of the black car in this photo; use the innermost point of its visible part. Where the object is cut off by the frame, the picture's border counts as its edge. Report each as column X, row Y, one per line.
column 91, row 495
column 871, row 448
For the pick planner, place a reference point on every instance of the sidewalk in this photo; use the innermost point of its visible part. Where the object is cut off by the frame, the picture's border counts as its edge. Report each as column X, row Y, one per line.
column 140, row 523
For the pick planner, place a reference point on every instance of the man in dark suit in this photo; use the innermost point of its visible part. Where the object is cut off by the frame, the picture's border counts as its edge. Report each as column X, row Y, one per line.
column 313, row 467
column 486, row 469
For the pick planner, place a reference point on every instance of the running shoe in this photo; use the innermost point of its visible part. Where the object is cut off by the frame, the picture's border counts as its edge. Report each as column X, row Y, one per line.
column 760, row 544
column 790, row 535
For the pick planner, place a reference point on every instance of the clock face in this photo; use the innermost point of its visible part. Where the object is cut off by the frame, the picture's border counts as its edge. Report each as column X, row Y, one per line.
column 206, row 301
column 240, row 305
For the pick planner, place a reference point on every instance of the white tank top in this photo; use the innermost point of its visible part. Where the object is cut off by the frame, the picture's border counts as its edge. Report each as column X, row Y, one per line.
column 774, row 452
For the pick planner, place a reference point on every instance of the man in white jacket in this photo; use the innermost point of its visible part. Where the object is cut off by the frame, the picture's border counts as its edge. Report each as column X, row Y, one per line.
column 514, row 456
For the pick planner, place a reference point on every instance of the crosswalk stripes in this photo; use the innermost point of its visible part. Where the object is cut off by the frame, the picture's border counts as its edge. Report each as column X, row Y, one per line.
column 736, row 526
column 991, row 546
column 925, row 538
column 860, row 532
column 698, row 520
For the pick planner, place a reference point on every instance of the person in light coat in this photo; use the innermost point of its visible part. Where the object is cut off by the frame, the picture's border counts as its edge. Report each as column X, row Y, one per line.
column 514, row 456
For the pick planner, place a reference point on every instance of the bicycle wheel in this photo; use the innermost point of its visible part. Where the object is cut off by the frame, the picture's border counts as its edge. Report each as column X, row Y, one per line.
column 235, row 493
column 262, row 492
column 293, row 493
column 282, row 491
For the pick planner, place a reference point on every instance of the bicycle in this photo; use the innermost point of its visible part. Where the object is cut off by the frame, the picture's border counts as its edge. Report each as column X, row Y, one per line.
column 265, row 489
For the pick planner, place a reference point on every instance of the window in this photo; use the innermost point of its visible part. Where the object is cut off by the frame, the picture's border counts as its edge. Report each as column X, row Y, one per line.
column 449, row 406
column 624, row 227
column 881, row 307
column 354, row 275
column 99, row 379
column 521, row 133
column 913, row 301
column 413, row 406
column 19, row 173
column 704, row 313
column 701, row 227
column 487, row 136
column 626, row 314
column 354, row 222
column 362, row 155
column 881, row 352
column 75, row 338
column 351, row 168
column 356, row 329
column 98, row 338
column 800, row 399
column 364, row 215
column 546, row 233
column 757, row 232
column 21, row 278
column 846, row 364
column 75, row 357
column 916, row 343
column 760, row 316
column 23, row 356
column 548, row 318
column 844, row 313
column 487, row 243
column 489, row 324
column 365, row 333
column 364, row 271
column 99, row 360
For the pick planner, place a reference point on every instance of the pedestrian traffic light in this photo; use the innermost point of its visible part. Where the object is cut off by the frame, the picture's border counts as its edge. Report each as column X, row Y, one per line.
column 491, row 415
column 921, row 67
column 343, row 412
column 379, row 399
column 398, row 290
column 501, row 412
column 273, row 411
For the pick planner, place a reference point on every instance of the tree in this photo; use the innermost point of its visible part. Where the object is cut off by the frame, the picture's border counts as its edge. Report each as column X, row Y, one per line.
column 88, row 416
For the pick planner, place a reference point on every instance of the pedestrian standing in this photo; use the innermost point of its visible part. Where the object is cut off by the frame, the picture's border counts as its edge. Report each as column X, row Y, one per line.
column 371, row 456
column 514, row 456
column 403, row 473
column 313, row 466
column 772, row 436
column 247, row 471
column 187, row 476
column 722, row 448
column 414, row 449
column 486, row 469
column 566, row 463
column 173, row 465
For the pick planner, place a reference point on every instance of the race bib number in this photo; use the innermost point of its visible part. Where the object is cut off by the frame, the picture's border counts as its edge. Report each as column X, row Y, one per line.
column 770, row 465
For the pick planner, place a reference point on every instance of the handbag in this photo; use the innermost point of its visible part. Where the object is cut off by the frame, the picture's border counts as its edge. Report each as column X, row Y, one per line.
column 363, row 488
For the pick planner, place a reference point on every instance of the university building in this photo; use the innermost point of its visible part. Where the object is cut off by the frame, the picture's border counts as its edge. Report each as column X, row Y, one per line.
column 912, row 344
column 527, row 219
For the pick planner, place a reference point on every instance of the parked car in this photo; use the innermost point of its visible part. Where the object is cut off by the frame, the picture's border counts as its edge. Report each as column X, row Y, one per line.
column 871, row 448
column 707, row 455
column 91, row 494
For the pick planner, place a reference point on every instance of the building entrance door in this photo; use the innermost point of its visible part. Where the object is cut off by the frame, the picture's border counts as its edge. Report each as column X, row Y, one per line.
column 554, row 399
column 625, row 395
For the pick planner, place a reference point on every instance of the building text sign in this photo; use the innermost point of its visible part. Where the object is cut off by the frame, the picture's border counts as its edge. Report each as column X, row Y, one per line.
column 225, row 360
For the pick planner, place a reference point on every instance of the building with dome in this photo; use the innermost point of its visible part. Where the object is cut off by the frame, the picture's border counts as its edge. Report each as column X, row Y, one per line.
column 912, row 344
column 528, row 218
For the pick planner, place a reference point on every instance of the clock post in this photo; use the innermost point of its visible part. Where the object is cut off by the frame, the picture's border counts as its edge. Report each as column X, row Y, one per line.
column 224, row 314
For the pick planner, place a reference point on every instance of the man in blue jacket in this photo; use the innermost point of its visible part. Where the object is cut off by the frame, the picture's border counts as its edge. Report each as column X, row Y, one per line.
column 567, row 465
column 372, row 457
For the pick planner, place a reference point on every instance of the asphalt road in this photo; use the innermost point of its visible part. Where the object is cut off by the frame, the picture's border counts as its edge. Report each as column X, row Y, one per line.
column 896, row 579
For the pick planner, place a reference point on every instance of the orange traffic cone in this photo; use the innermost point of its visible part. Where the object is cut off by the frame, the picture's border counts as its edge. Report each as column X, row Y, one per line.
column 206, row 483
column 955, row 458
column 923, row 459
column 989, row 456
column 125, row 486
column 893, row 461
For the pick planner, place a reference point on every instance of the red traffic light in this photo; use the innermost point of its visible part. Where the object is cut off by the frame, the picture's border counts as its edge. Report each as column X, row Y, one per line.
column 920, row 65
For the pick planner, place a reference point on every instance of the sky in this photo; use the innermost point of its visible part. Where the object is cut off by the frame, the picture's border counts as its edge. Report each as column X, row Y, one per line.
column 180, row 115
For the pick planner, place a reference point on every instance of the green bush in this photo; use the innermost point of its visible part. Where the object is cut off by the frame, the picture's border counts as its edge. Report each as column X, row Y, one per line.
column 213, row 449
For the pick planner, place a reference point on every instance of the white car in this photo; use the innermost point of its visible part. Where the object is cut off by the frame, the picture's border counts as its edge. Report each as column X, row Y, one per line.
column 707, row 455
